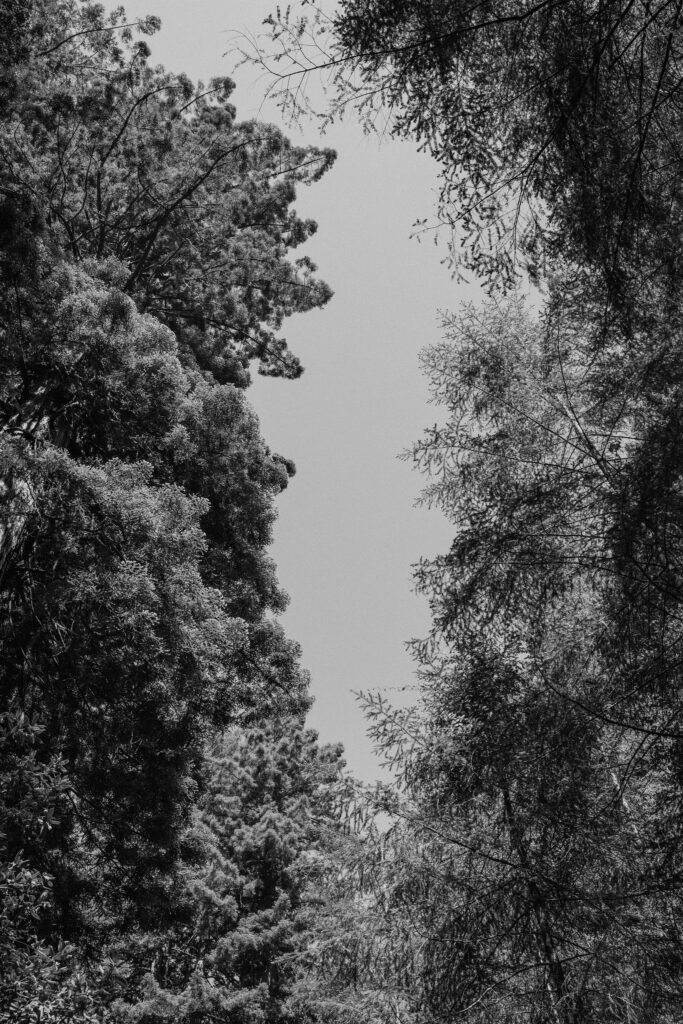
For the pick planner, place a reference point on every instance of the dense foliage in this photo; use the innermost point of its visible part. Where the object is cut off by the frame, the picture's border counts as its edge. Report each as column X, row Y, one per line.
column 554, row 124
column 271, row 807
column 533, row 868
column 173, row 843
column 145, row 263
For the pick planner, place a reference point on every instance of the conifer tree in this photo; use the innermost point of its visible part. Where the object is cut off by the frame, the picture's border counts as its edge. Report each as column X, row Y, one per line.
column 145, row 240
column 271, row 808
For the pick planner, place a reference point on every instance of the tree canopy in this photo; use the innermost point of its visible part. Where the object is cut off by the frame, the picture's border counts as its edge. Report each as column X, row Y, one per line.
column 174, row 844
column 531, row 869
column 146, row 241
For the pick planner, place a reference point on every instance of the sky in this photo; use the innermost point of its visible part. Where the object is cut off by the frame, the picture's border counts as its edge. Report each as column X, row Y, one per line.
column 348, row 530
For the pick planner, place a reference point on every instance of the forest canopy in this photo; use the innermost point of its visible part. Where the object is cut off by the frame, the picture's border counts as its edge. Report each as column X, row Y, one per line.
column 146, row 257
column 174, row 842
column 532, row 868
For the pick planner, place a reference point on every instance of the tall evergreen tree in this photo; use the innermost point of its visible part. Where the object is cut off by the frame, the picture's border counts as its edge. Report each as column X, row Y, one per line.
column 271, row 808
column 145, row 240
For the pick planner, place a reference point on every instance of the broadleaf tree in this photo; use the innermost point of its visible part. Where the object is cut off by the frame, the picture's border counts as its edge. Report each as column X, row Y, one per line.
column 551, row 719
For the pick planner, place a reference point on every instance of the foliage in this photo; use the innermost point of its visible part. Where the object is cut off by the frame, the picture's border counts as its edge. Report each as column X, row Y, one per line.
column 554, row 125
column 530, row 870
column 145, row 240
column 125, row 576
column 123, row 159
column 272, row 797
column 37, row 982
column 534, row 871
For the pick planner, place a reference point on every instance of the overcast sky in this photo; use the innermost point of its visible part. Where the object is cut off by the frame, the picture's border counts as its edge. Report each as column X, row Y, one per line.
column 348, row 530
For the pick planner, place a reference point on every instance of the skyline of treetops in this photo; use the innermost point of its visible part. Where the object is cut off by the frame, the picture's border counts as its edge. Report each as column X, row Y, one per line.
column 176, row 844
